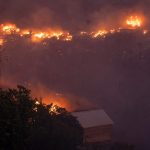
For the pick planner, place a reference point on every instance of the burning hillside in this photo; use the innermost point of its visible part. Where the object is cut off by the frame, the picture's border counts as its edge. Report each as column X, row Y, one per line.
column 39, row 35
column 35, row 34
column 97, row 50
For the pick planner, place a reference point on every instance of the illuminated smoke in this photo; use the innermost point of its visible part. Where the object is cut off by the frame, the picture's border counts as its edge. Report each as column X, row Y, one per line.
column 65, row 100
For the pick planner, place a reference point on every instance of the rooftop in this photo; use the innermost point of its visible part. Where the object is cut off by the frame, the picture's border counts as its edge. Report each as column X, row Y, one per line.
column 93, row 118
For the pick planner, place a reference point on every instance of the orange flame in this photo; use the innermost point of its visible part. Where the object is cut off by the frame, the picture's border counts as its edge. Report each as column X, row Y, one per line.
column 36, row 35
column 100, row 33
column 41, row 35
column 57, row 100
column 134, row 21
column 25, row 32
column 9, row 28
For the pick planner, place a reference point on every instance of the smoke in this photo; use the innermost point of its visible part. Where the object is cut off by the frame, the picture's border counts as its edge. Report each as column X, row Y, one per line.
column 69, row 14
column 48, row 96
column 112, row 73
column 5, row 83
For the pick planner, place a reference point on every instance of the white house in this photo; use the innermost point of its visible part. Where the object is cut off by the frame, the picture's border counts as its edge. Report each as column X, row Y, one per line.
column 97, row 125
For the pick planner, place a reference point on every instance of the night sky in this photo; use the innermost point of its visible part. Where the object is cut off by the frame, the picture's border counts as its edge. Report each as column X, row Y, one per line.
column 110, row 73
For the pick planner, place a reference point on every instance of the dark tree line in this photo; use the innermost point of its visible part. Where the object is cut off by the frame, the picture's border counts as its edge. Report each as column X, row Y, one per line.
column 25, row 124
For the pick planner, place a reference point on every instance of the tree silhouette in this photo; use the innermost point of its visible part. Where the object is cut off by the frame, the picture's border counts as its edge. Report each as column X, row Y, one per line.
column 26, row 124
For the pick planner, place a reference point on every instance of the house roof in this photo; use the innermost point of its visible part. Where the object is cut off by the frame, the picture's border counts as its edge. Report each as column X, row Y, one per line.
column 93, row 118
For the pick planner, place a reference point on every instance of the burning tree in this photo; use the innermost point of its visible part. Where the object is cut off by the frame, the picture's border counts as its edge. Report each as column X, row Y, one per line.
column 26, row 123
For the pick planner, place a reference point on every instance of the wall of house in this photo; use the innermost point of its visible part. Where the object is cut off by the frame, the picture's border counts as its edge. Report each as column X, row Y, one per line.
column 98, row 134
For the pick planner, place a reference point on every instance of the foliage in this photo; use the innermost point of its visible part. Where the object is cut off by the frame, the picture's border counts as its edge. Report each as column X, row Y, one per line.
column 27, row 125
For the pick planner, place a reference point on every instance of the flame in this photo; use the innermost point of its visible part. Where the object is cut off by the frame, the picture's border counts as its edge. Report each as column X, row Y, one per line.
column 39, row 35
column 134, row 21
column 25, row 32
column 36, row 35
column 53, row 109
column 68, row 37
column 37, row 102
column 100, row 33
column 9, row 28
column 56, row 34
column 57, row 100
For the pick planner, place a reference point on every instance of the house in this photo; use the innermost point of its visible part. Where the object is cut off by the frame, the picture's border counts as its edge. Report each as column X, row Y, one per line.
column 96, row 124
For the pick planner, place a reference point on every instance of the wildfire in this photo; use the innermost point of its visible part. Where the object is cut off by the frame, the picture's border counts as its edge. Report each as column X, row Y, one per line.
column 36, row 36
column 68, row 37
column 57, row 100
column 100, row 33
column 9, row 28
column 39, row 35
column 25, row 32
column 134, row 21
column 53, row 107
column 59, row 35
column 56, row 34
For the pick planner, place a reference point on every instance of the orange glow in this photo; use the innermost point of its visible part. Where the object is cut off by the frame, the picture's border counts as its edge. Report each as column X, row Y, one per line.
column 25, row 32
column 54, row 109
column 134, row 21
column 37, row 102
column 57, row 100
column 9, row 28
column 68, row 37
column 112, row 31
column 83, row 33
column 145, row 32
column 38, row 35
column 100, row 33
column 56, row 34
column 59, row 35
column 1, row 42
